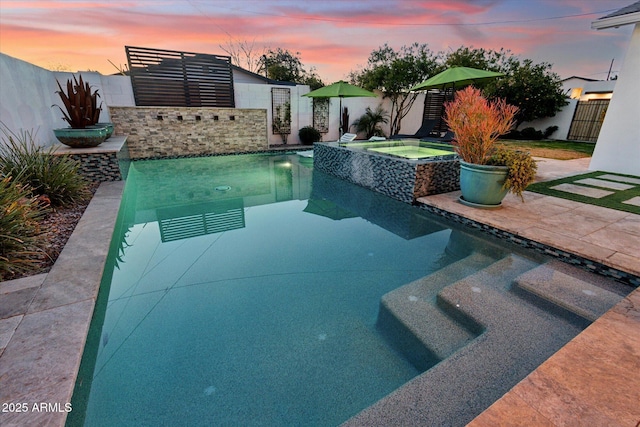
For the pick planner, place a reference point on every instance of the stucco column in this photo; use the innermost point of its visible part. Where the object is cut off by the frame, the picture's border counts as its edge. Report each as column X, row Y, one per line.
column 618, row 146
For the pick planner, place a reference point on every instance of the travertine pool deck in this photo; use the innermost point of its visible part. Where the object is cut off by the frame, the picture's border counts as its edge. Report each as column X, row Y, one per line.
column 591, row 381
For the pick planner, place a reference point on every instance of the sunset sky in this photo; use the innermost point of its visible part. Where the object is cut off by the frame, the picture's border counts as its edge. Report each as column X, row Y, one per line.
column 334, row 36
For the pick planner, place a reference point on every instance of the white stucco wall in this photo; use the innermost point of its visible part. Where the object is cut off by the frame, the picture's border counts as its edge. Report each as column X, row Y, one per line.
column 27, row 93
column 618, row 145
column 562, row 119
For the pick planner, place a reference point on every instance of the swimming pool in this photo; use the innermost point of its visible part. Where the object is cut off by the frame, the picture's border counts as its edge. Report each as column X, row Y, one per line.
column 253, row 290
column 407, row 149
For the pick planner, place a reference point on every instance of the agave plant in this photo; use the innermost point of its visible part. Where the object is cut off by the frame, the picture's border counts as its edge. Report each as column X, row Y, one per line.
column 80, row 103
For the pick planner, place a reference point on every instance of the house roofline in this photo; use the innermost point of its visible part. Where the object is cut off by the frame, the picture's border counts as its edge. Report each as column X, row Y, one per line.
column 581, row 78
column 625, row 16
column 263, row 78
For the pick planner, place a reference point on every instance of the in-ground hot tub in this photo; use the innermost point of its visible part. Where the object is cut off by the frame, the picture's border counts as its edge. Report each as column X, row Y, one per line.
column 403, row 170
column 406, row 148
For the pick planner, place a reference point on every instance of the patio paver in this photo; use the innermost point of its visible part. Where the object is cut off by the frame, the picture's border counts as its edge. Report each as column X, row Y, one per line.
column 604, row 184
column 596, row 193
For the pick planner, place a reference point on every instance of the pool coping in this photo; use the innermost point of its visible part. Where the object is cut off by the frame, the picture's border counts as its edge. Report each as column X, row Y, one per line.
column 42, row 355
column 44, row 344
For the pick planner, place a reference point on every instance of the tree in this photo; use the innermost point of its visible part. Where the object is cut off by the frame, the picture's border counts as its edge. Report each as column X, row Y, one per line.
column 282, row 65
column 483, row 59
column 394, row 73
column 533, row 88
column 312, row 79
column 244, row 53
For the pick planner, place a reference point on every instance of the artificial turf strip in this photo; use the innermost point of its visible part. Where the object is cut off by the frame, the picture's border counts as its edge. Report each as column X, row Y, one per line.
column 612, row 201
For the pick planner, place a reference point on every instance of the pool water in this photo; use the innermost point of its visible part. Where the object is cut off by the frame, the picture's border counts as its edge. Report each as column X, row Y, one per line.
column 407, row 149
column 245, row 290
column 411, row 152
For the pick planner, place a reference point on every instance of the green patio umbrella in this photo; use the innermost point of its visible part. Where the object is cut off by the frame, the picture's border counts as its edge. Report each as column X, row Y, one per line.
column 456, row 76
column 340, row 89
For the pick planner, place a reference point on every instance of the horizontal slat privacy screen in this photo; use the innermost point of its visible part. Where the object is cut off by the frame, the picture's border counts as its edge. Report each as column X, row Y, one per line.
column 168, row 78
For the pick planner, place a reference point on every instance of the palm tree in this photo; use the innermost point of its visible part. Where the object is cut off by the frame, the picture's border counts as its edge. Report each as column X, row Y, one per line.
column 370, row 121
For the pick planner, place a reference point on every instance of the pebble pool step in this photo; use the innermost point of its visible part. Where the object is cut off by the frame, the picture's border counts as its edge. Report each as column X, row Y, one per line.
column 579, row 292
column 518, row 335
column 412, row 322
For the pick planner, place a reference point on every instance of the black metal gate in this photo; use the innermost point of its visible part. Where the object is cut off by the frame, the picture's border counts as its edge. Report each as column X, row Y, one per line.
column 167, row 78
column 587, row 120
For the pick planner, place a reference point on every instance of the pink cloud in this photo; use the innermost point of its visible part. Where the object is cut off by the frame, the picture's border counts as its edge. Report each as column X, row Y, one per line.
column 335, row 37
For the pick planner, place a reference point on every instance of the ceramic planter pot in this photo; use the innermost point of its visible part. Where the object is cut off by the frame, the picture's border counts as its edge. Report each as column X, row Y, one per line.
column 81, row 138
column 107, row 125
column 482, row 185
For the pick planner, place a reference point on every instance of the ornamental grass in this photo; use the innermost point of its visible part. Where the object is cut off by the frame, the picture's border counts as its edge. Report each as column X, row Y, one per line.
column 477, row 123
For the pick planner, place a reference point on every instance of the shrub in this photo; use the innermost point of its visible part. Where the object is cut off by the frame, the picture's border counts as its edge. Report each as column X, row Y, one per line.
column 19, row 228
column 549, row 131
column 512, row 134
column 521, row 169
column 308, row 135
column 47, row 175
column 531, row 134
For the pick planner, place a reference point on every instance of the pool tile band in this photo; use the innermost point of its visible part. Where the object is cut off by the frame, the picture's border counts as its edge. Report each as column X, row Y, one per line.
column 401, row 179
column 570, row 258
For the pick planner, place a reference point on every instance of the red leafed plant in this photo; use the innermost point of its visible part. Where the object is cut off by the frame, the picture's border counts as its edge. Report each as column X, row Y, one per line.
column 80, row 103
column 477, row 123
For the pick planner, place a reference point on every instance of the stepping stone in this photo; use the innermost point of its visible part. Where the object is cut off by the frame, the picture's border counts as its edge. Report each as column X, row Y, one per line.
column 634, row 201
column 571, row 293
column 604, row 184
column 620, row 178
column 583, row 191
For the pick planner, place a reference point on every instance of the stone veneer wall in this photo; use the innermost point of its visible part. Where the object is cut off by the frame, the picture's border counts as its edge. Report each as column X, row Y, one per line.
column 400, row 179
column 436, row 177
column 98, row 167
column 106, row 162
column 190, row 131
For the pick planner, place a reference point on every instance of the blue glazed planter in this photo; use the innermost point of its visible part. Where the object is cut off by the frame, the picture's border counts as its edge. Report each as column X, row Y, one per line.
column 107, row 125
column 81, row 138
column 481, row 185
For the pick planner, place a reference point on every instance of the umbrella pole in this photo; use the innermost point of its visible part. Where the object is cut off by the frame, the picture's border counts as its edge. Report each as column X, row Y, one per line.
column 340, row 129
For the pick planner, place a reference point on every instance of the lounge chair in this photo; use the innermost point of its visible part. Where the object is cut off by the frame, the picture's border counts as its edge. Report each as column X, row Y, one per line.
column 348, row 137
column 423, row 132
column 447, row 137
